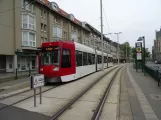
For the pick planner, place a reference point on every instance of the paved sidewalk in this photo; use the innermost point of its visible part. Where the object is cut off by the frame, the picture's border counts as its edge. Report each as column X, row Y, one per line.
column 125, row 112
column 144, row 95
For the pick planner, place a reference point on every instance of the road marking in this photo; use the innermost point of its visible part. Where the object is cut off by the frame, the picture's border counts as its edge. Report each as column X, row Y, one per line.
column 146, row 107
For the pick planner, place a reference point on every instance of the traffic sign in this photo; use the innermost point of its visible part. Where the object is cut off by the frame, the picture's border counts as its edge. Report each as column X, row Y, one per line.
column 37, row 81
column 138, row 49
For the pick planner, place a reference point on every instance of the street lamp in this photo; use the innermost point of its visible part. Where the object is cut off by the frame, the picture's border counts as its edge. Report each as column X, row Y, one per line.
column 118, row 52
column 143, row 39
column 102, row 34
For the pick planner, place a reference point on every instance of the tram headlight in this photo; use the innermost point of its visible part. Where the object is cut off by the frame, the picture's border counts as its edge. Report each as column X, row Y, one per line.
column 41, row 69
column 56, row 69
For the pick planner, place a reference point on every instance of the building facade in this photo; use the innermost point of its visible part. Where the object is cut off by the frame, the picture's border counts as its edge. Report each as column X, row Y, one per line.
column 26, row 24
column 157, row 46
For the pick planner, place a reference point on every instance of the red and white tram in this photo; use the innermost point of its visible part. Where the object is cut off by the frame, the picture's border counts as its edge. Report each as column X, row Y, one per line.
column 65, row 61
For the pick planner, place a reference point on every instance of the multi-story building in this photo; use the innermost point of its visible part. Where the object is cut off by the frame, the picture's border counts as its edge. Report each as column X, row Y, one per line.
column 26, row 24
column 153, row 54
column 157, row 46
column 95, row 37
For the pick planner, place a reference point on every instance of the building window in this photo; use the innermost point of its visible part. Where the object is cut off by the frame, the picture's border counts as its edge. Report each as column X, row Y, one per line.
column 45, row 28
column 33, row 8
column 65, row 35
column 28, row 39
column 27, row 4
column 41, row 26
column 74, row 37
column 41, row 12
column 25, row 21
column 57, row 32
column 46, row 40
column 64, row 24
column 66, row 58
column 55, row 19
column 42, row 40
column 28, row 22
column 31, row 22
column 22, row 3
column 45, row 14
column 58, row 20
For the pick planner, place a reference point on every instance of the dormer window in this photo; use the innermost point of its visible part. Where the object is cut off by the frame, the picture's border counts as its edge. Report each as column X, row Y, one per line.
column 83, row 24
column 71, row 16
column 54, row 6
column 42, row 1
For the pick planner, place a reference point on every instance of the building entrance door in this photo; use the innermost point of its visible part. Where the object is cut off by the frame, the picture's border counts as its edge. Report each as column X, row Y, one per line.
column 33, row 62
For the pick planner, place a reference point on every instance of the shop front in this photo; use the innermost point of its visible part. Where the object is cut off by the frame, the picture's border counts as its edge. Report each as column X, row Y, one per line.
column 26, row 61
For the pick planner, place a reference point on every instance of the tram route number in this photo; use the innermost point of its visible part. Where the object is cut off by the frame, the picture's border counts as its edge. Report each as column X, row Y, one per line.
column 37, row 81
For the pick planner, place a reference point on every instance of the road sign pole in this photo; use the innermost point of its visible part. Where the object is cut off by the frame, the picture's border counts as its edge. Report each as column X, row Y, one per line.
column 40, row 96
column 34, row 97
column 142, row 60
column 135, row 59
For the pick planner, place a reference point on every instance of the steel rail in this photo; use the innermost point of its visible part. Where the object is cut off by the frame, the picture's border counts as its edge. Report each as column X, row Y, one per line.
column 100, row 106
column 62, row 110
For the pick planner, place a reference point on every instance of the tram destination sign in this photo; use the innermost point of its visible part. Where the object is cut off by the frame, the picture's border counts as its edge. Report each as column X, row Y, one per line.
column 37, row 81
column 45, row 49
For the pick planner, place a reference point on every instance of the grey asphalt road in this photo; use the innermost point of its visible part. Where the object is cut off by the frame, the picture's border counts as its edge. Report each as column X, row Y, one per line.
column 14, row 113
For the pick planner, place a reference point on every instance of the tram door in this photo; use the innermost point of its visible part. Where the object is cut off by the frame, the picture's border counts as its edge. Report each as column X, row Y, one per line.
column 68, row 59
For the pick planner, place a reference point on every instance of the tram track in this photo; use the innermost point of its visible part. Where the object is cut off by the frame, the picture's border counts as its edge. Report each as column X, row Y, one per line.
column 75, row 99
column 100, row 106
column 28, row 97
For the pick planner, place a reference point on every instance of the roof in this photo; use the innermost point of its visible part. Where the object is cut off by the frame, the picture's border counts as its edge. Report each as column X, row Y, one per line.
column 94, row 30
column 84, row 48
column 62, row 13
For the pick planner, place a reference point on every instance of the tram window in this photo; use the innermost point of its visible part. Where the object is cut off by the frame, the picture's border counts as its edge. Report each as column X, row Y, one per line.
column 108, row 59
column 105, row 59
column 89, row 58
column 93, row 58
column 79, row 58
column 85, row 59
column 99, row 57
column 66, row 58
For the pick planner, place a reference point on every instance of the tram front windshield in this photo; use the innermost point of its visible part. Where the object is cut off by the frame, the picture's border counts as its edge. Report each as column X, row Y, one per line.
column 50, row 56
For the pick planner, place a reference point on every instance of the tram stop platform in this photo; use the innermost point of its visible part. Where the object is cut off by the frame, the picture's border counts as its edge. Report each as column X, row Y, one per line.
column 140, row 96
column 137, row 96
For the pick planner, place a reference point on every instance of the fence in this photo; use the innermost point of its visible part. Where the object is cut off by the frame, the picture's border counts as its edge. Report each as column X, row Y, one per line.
column 154, row 72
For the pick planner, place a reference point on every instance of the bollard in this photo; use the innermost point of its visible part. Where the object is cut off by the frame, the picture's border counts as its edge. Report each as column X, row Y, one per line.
column 16, row 74
column 158, row 78
column 29, row 72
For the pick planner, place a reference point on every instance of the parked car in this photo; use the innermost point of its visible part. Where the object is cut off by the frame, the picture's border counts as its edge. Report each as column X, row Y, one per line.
column 157, row 62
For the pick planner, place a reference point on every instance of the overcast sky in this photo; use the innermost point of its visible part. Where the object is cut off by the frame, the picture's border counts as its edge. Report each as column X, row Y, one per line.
column 134, row 18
